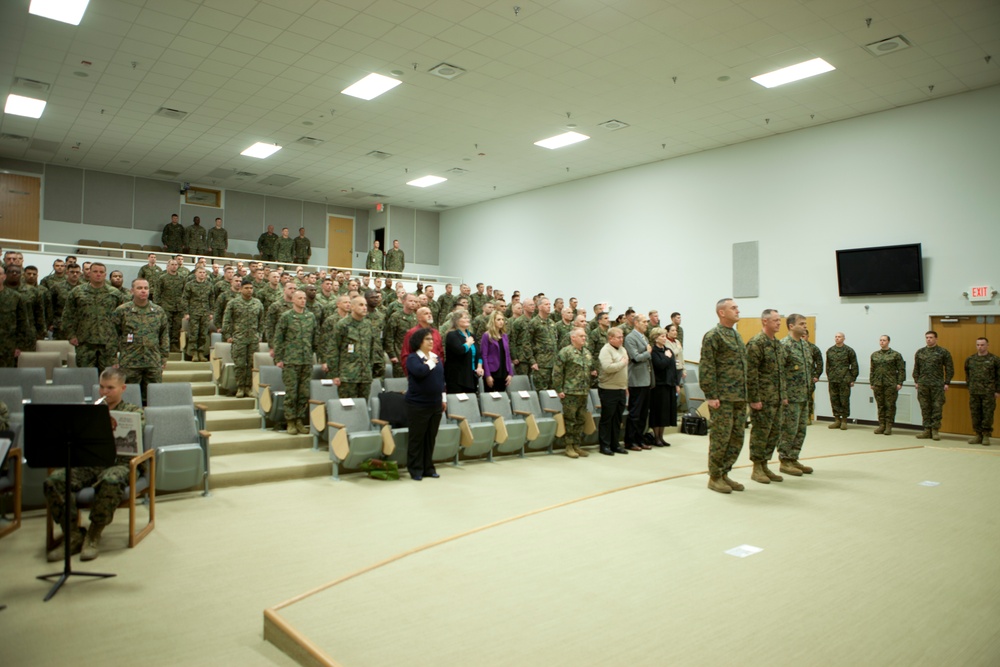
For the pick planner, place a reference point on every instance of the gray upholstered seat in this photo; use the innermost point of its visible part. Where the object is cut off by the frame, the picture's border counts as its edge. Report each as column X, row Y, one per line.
column 480, row 435
column 25, row 378
column 67, row 353
column 163, row 394
column 388, row 413
column 496, row 406
column 395, row 384
column 524, row 403
column 47, row 361
column 52, row 394
column 352, row 436
column 182, row 460
column 271, row 396
column 448, row 441
column 84, row 377
column 520, row 383
column 223, row 369
column 320, row 391
column 551, row 405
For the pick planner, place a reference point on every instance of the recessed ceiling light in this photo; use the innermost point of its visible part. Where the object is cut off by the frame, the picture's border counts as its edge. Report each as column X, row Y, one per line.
column 793, row 73
column 261, row 150
column 67, row 11
column 426, row 181
column 371, row 86
column 24, row 106
column 560, row 140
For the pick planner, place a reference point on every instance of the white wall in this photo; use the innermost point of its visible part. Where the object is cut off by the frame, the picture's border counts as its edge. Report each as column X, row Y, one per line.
column 660, row 236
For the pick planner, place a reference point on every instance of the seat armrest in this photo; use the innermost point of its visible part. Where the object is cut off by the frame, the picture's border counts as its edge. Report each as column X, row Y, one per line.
column 315, row 401
column 552, row 411
column 458, row 418
column 335, row 425
column 380, row 422
column 136, row 461
column 491, row 415
column 205, row 434
column 523, row 413
column 201, row 406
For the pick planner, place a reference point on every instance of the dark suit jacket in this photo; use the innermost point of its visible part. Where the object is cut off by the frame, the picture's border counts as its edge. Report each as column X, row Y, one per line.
column 460, row 364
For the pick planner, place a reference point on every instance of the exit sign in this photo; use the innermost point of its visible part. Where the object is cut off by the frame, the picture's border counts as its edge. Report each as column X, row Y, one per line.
column 980, row 293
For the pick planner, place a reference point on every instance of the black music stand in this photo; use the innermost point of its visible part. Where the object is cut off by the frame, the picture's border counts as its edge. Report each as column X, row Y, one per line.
column 71, row 436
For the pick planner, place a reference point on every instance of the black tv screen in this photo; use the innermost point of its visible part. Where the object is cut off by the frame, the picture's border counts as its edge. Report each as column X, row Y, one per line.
column 896, row 269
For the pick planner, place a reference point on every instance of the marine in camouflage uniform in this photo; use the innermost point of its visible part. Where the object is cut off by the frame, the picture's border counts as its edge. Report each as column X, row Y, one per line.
column 267, row 245
column 218, row 241
column 932, row 372
column 724, row 380
column 477, row 301
column 518, row 330
column 538, row 348
column 376, row 316
column 142, row 339
column 571, row 379
column 196, row 302
column 797, row 366
column 841, row 372
column 283, row 248
column 351, row 352
column 87, row 321
column 376, row 258
column 766, row 396
column 222, row 300
column 172, row 237
column 109, row 486
column 982, row 373
column 242, row 322
column 273, row 314
column 34, row 298
column 196, row 238
column 169, row 294
column 16, row 331
column 60, row 297
column 301, row 248
column 395, row 330
column 597, row 338
column 395, row 261
column 887, row 372
column 294, row 344
column 151, row 274
column 816, row 370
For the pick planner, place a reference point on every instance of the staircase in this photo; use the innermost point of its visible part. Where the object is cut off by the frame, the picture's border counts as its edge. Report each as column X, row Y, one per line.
column 241, row 452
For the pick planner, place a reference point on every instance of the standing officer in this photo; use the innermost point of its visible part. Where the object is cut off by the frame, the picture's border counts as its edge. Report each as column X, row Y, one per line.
column 932, row 373
column 196, row 303
column 294, row 346
column 218, row 239
column 267, row 244
column 375, row 259
column 283, row 247
column 539, row 346
column 142, row 333
column 87, row 320
column 301, row 248
column 196, row 238
column 395, row 260
column 797, row 366
column 571, row 379
column 16, row 332
column 241, row 326
column 982, row 373
column 396, row 327
column 766, row 394
column 886, row 375
column 351, row 352
column 168, row 294
column 172, row 237
column 841, row 372
column 724, row 381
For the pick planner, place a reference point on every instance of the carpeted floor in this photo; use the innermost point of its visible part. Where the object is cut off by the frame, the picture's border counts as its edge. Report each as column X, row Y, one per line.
column 860, row 564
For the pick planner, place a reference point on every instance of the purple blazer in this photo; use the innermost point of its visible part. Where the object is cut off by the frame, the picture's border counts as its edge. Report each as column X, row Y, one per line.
column 491, row 354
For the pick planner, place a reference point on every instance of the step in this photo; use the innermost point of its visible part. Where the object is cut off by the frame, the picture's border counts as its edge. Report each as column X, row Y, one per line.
column 256, row 440
column 231, row 420
column 188, row 366
column 226, row 403
column 262, row 467
column 187, row 376
column 203, row 389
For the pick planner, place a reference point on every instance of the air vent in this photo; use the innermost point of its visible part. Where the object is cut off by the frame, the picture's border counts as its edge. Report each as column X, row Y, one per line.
column 446, row 71
column 219, row 174
column 31, row 84
column 172, row 114
column 612, row 125
column 44, row 146
column 14, row 137
column 441, row 206
column 168, row 174
column 361, row 194
column 891, row 45
column 379, row 155
column 245, row 174
column 278, row 180
column 309, row 141
column 458, row 171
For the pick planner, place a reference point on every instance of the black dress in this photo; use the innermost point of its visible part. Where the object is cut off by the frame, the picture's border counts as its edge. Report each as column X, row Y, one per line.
column 663, row 399
column 460, row 363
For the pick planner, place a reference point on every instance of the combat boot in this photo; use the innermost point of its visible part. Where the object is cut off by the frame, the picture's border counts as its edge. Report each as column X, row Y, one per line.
column 303, row 429
column 735, row 486
column 924, row 435
column 881, row 428
column 843, row 424
column 771, row 475
column 835, row 424
column 788, row 467
column 580, row 451
column 803, row 467
column 978, row 440
column 291, row 428
column 91, row 542
column 571, row 452
column 986, row 439
column 758, row 474
column 935, row 435
column 75, row 544
column 719, row 485
column 240, row 393
column 888, row 428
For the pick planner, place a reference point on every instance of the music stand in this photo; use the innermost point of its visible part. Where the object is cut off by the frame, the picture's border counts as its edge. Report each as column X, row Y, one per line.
column 70, row 436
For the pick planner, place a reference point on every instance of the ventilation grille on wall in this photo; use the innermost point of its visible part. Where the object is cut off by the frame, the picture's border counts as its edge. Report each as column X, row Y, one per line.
column 173, row 114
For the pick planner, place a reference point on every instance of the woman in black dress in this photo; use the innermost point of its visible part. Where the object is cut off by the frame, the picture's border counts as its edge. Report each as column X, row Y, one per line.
column 663, row 398
column 463, row 362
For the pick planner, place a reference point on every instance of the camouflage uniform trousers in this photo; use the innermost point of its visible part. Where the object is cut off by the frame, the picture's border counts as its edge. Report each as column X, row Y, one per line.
column 840, row 398
column 355, row 389
column 574, row 410
column 109, row 489
column 98, row 356
column 931, row 400
column 982, row 406
column 7, row 359
column 795, row 418
column 542, row 378
column 726, row 436
column 143, row 377
column 296, row 378
column 766, row 431
column 397, row 371
column 522, row 368
column 243, row 364
column 197, row 337
column 885, row 399
column 175, row 318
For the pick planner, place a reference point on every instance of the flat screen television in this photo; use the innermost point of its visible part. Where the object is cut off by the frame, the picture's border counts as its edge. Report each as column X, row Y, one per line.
column 896, row 269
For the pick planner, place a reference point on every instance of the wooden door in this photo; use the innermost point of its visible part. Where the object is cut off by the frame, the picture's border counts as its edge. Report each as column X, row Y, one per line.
column 20, row 209
column 340, row 241
column 959, row 338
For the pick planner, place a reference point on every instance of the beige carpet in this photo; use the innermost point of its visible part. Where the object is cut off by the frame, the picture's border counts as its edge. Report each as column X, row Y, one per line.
column 860, row 564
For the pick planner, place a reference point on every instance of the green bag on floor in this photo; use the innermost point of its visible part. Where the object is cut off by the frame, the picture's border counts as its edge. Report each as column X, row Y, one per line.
column 379, row 469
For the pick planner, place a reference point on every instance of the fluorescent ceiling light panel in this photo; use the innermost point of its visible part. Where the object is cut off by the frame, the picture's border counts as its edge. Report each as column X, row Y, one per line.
column 793, row 73
column 24, row 106
column 426, row 181
column 371, row 86
column 261, row 150
column 560, row 140
column 67, row 11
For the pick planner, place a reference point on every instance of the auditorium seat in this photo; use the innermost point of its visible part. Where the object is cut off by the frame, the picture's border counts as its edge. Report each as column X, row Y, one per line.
column 478, row 436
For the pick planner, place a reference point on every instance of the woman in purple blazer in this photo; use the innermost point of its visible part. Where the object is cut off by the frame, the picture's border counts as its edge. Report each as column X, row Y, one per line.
column 497, row 366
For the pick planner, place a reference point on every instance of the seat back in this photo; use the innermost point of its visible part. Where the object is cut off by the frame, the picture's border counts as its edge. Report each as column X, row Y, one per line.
column 271, row 376
column 319, row 391
column 260, row 359
column 376, row 388
column 85, row 377
column 181, row 453
column 467, row 408
column 215, row 336
column 25, row 378
column 132, row 394
column 13, row 398
column 67, row 353
column 519, row 383
column 354, row 417
column 44, row 360
column 52, row 394
column 526, row 401
column 548, row 401
column 496, row 402
column 170, row 393
column 399, row 385
column 174, row 425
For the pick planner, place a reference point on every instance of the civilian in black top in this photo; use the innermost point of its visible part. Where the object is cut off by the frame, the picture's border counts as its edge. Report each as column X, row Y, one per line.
column 463, row 365
column 663, row 399
column 424, row 403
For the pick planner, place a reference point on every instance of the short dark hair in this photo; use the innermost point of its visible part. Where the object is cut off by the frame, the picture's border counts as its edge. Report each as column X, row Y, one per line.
column 417, row 338
column 674, row 314
column 793, row 318
column 984, row 338
column 932, row 332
